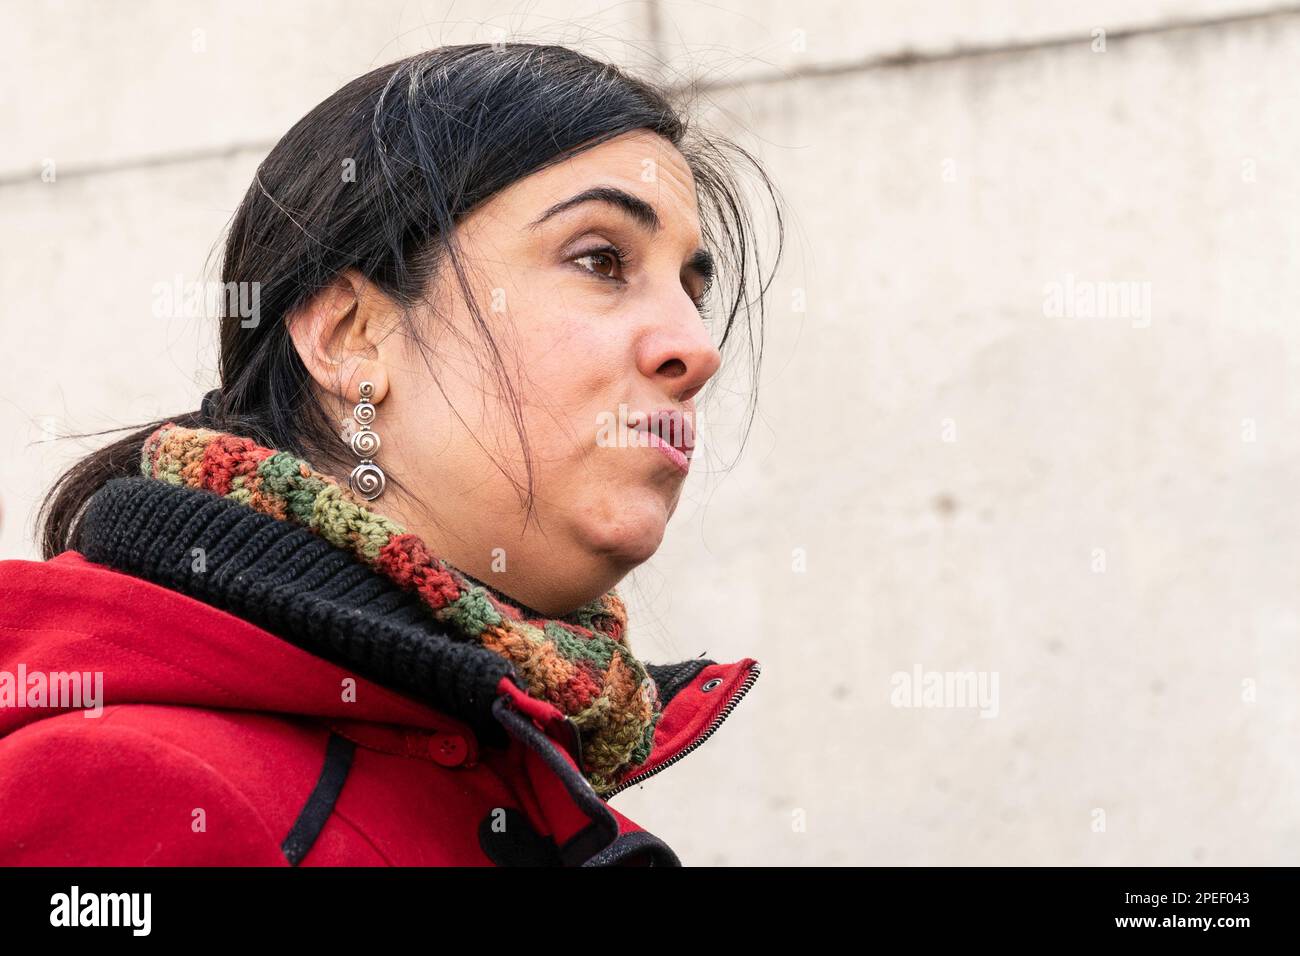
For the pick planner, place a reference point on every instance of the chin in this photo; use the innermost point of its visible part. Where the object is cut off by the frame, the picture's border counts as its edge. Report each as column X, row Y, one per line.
column 627, row 533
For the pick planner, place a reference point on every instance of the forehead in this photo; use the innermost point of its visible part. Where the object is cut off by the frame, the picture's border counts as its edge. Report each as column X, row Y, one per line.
column 640, row 162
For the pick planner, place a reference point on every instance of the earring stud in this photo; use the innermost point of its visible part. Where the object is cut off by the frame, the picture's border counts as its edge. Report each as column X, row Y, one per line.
column 367, row 479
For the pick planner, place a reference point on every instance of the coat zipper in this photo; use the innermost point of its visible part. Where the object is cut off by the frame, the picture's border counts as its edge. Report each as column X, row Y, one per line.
column 740, row 692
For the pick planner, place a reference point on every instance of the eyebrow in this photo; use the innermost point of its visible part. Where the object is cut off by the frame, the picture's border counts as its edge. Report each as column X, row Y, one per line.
column 640, row 211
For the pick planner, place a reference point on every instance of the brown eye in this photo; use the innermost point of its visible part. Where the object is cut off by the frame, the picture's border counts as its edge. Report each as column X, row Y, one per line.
column 596, row 261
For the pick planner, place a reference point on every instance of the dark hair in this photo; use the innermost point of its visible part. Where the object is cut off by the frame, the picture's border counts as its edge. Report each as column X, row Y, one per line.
column 428, row 139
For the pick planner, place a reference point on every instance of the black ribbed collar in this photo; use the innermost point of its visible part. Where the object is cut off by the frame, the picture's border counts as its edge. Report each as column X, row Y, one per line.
column 296, row 585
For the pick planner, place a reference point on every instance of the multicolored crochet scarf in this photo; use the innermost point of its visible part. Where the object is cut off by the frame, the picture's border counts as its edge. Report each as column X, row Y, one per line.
column 581, row 662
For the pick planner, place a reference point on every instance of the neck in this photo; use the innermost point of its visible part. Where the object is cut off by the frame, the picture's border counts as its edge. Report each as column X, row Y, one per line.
column 541, row 583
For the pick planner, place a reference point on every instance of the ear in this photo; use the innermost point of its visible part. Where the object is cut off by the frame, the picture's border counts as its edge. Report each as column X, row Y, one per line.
column 340, row 336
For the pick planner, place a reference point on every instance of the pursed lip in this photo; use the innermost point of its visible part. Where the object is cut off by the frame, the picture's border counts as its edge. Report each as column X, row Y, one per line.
column 668, row 430
column 672, row 427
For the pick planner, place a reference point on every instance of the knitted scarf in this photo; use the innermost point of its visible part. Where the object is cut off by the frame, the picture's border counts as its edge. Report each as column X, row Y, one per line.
column 581, row 663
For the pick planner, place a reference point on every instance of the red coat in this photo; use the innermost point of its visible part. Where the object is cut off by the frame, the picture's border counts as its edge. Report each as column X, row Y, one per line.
column 219, row 743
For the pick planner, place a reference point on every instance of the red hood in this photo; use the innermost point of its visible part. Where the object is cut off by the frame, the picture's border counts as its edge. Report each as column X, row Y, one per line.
column 69, row 614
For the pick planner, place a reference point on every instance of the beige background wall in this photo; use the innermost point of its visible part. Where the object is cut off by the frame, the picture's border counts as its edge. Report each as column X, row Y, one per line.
column 1099, row 509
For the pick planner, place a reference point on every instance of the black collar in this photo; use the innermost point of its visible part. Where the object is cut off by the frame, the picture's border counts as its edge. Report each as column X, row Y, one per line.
column 296, row 585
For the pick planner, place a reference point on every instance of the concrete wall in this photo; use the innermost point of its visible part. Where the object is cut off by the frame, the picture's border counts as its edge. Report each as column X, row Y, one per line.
column 959, row 464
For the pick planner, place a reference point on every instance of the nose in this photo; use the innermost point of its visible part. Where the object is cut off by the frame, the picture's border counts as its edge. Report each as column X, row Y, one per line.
column 677, row 353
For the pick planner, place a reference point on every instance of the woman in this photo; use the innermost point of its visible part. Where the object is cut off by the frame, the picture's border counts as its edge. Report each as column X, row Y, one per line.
column 360, row 607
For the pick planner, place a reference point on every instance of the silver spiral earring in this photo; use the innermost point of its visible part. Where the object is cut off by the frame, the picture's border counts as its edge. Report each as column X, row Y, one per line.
column 367, row 479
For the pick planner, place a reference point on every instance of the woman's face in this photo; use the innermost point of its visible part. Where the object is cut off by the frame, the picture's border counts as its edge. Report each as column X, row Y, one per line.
column 594, row 346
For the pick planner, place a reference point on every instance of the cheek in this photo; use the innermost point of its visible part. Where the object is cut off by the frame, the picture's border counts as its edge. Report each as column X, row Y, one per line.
column 576, row 377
